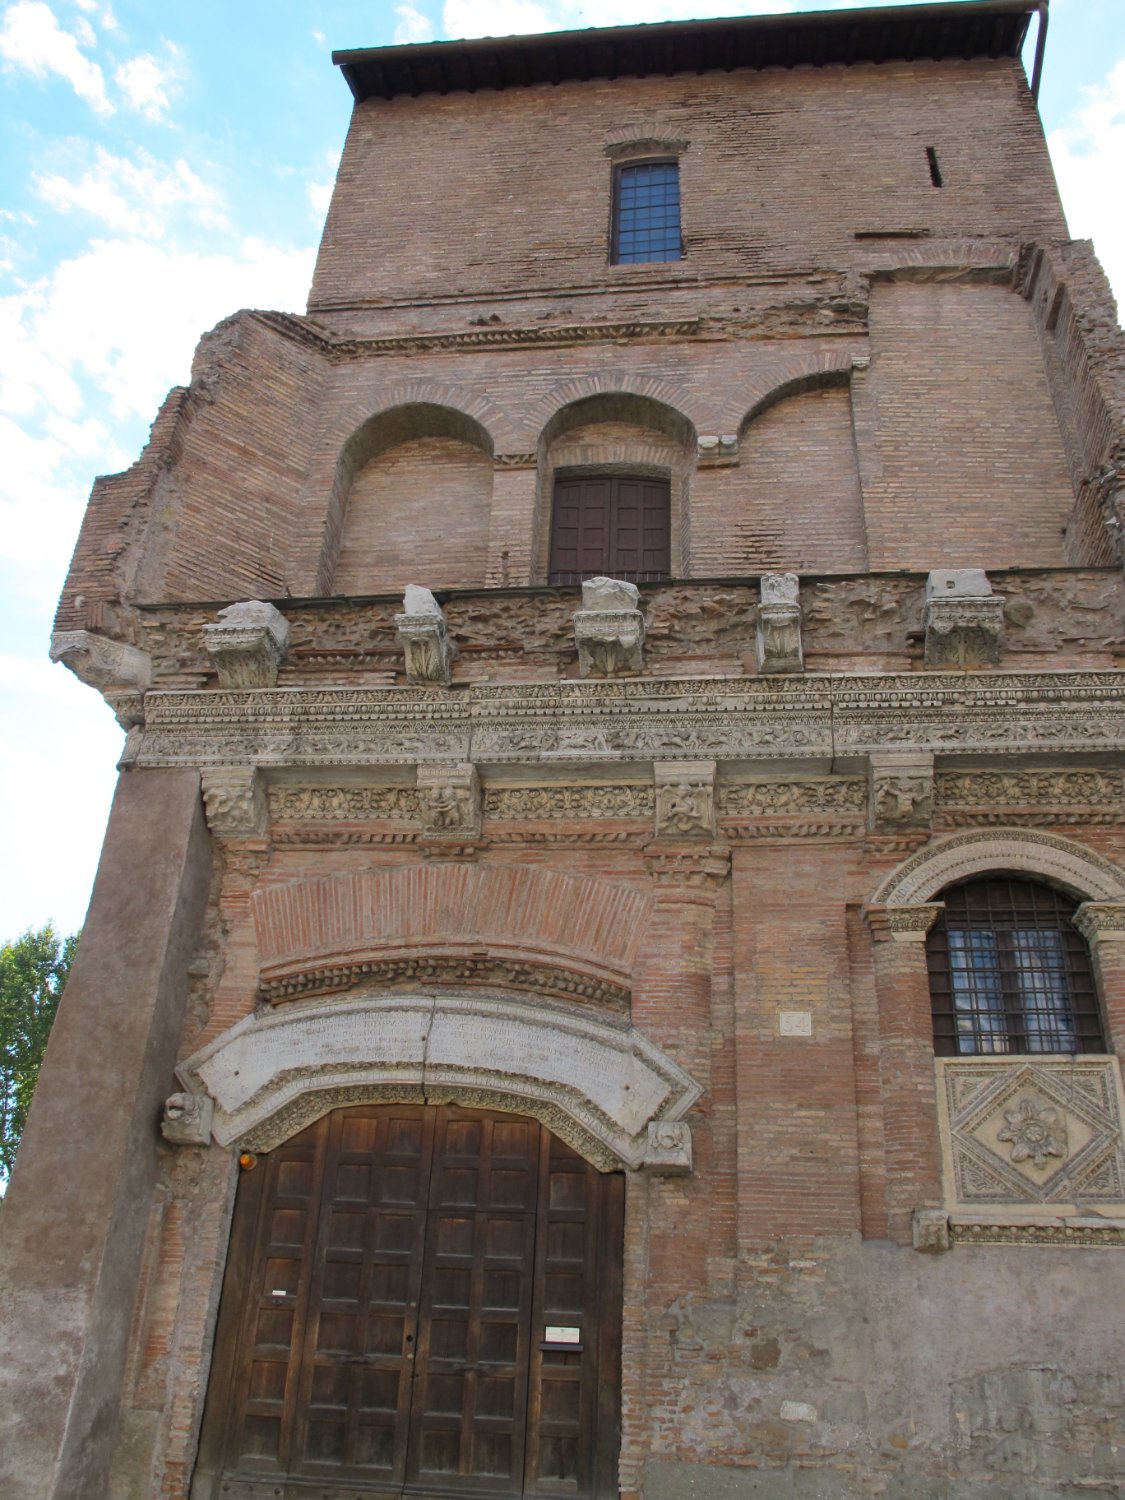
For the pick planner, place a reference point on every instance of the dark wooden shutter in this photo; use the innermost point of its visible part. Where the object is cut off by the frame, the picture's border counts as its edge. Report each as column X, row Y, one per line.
column 394, row 1272
column 613, row 524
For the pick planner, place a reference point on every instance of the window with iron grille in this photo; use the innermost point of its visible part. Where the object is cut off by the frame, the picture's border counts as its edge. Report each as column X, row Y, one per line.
column 646, row 212
column 615, row 524
column 1010, row 972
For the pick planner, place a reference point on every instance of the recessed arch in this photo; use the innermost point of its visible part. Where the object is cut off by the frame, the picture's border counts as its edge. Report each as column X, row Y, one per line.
column 833, row 377
column 597, row 1084
column 1075, row 869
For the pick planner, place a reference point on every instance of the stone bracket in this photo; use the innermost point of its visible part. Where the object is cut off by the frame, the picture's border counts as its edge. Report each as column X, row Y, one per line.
column 248, row 644
column 235, row 802
column 609, row 629
column 900, row 792
column 931, row 1230
column 685, row 799
column 963, row 619
column 668, row 1149
column 449, row 799
column 778, row 640
column 187, row 1119
column 902, row 924
column 424, row 638
column 121, row 673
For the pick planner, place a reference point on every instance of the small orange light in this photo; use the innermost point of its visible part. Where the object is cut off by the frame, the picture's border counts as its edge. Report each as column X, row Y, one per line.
column 248, row 1161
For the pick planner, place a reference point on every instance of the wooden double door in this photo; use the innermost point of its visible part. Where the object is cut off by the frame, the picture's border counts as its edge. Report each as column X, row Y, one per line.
column 419, row 1300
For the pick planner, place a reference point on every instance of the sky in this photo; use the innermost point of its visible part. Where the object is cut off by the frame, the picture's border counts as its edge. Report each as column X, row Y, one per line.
column 162, row 166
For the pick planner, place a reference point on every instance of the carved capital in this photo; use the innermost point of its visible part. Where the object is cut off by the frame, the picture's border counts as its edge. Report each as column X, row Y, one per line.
column 120, row 673
column 248, row 644
column 685, row 799
column 609, row 629
column 963, row 619
column 931, row 1230
column 187, row 1119
column 422, row 634
column 903, row 924
column 450, row 802
column 901, row 792
column 668, row 1149
column 702, row 869
column 235, row 801
column 1100, row 921
column 779, row 624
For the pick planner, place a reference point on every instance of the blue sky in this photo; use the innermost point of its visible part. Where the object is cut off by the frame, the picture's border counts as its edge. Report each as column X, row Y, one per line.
column 164, row 165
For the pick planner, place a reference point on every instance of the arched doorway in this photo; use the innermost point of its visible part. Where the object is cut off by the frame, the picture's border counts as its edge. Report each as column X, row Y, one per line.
column 419, row 1300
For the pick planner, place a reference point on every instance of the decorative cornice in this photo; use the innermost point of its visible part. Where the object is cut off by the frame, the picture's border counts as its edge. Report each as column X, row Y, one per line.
column 812, row 719
column 1074, row 1234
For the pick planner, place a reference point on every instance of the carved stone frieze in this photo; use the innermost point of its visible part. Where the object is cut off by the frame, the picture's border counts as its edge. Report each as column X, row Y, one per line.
column 778, row 641
column 121, row 673
column 609, row 629
column 449, row 801
column 328, row 804
column 422, row 634
column 1040, row 1131
column 685, row 799
column 1058, row 795
column 1073, row 1232
column 771, row 798
column 808, row 719
column 235, row 801
column 607, row 1079
column 963, row 619
column 187, row 1119
column 557, row 802
column 248, row 644
column 901, row 792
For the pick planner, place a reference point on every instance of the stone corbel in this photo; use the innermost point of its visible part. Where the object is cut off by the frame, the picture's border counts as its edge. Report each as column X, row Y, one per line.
column 450, row 801
column 668, row 1150
column 609, row 629
column 422, row 634
column 902, row 924
column 187, row 1119
column 779, row 624
column 931, row 1230
column 963, row 619
column 699, row 867
column 235, row 802
column 900, row 792
column 120, row 673
column 1101, row 921
column 717, row 450
column 685, row 799
column 248, row 644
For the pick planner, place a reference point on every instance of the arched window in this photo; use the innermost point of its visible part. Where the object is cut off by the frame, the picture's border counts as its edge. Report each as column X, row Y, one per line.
column 1010, row 972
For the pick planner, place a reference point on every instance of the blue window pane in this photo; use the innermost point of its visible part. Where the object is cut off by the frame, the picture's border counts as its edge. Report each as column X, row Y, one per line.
column 646, row 222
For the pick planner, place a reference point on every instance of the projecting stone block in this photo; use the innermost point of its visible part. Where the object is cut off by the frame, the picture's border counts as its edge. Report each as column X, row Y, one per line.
column 963, row 619
column 422, row 634
column 449, row 800
column 187, row 1119
column 901, row 792
column 931, row 1230
column 121, row 673
column 779, row 624
column 248, row 644
column 685, row 799
column 609, row 629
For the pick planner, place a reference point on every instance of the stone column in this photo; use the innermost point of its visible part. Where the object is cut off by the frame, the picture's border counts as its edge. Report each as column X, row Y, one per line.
column 72, row 1228
column 906, row 1062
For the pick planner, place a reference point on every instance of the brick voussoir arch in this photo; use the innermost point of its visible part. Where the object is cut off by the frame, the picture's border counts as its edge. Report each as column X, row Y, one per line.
column 452, row 923
column 793, row 378
column 611, row 383
column 1074, row 868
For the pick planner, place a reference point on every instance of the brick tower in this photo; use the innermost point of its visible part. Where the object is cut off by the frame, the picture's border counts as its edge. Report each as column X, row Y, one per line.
column 607, row 969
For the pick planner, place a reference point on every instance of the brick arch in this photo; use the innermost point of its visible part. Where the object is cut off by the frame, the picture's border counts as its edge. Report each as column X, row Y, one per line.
column 646, row 388
column 597, row 1084
column 570, row 936
column 793, row 378
column 1062, row 862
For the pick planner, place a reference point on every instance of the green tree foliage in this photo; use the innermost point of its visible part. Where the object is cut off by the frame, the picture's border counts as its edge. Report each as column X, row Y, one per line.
column 33, row 971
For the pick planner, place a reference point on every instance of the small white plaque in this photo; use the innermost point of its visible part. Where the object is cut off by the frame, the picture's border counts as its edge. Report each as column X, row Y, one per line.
column 794, row 1022
column 558, row 1334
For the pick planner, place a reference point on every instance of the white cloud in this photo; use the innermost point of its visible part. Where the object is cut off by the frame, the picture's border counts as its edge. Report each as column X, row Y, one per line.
column 320, row 195
column 412, row 25
column 500, row 17
column 1088, row 155
column 31, row 39
column 148, row 83
column 137, row 197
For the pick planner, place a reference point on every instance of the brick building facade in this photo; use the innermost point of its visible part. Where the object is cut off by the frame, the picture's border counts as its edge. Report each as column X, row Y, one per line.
column 541, row 1035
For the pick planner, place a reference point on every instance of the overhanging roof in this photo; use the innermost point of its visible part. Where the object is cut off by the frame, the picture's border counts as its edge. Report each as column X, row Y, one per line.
column 972, row 28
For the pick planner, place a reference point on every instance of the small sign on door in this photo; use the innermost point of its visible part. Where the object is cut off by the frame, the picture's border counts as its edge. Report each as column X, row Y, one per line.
column 558, row 1333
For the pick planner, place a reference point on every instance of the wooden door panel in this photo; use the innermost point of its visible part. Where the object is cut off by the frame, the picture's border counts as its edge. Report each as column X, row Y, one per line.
column 393, row 1272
